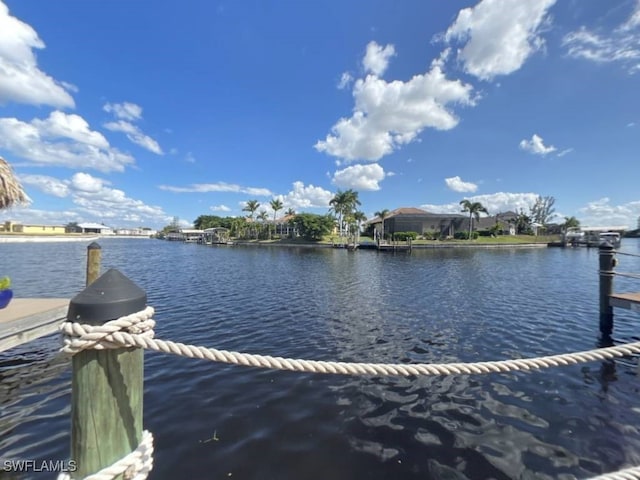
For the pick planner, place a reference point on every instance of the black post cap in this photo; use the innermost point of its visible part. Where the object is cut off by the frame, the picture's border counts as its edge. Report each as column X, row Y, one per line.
column 111, row 296
column 94, row 246
column 606, row 245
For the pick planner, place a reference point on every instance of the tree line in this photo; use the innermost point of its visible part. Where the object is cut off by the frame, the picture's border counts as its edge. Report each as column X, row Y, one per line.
column 345, row 217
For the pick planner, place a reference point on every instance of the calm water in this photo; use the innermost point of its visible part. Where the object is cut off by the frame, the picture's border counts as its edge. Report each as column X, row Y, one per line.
column 430, row 306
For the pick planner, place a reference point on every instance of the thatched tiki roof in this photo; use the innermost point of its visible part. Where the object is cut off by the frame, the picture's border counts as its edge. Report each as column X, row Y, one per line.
column 11, row 192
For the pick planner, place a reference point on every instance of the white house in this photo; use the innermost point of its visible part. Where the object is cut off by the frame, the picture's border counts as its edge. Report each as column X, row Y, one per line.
column 95, row 228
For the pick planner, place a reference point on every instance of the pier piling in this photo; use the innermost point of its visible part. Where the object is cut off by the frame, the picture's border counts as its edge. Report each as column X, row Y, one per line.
column 107, row 385
column 94, row 258
column 607, row 264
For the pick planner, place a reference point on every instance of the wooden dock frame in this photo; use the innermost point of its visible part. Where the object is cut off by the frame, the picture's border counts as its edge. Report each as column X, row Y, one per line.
column 395, row 246
column 26, row 319
column 608, row 299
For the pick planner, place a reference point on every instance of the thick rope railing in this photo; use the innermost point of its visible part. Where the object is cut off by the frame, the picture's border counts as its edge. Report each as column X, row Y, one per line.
column 139, row 333
column 136, row 330
column 632, row 473
column 135, row 466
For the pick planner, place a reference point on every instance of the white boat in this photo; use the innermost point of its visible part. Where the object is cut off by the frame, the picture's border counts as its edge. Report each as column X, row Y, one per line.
column 612, row 238
column 594, row 236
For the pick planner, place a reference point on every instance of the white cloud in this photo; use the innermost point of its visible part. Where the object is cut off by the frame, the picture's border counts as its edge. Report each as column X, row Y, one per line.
column 308, row 196
column 621, row 45
column 21, row 80
column 360, row 177
column 390, row 114
column 457, row 185
column 83, row 182
column 564, row 152
column 345, row 80
column 499, row 35
column 601, row 213
column 493, row 202
column 124, row 111
column 46, row 184
column 536, row 146
column 94, row 200
column 62, row 140
column 217, row 187
column 219, row 208
column 93, row 196
column 135, row 135
column 376, row 58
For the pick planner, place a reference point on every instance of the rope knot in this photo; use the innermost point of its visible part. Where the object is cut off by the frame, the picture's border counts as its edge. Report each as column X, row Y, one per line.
column 113, row 334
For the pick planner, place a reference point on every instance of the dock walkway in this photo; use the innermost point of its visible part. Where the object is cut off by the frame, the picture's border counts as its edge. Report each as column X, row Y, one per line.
column 26, row 319
column 629, row 301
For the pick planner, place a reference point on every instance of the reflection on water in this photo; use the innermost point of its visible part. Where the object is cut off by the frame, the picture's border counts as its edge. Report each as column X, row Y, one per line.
column 215, row 421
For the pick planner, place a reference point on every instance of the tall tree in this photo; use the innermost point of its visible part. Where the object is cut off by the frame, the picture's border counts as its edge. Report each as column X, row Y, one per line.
column 263, row 216
column 542, row 210
column 382, row 214
column 251, row 206
column 342, row 204
column 474, row 209
column 359, row 217
column 570, row 222
column 276, row 204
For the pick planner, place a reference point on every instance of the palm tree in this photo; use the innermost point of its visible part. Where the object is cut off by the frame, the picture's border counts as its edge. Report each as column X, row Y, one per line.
column 276, row 204
column 474, row 209
column 382, row 214
column 290, row 211
column 338, row 205
column 251, row 206
column 263, row 216
column 11, row 191
column 344, row 203
column 359, row 217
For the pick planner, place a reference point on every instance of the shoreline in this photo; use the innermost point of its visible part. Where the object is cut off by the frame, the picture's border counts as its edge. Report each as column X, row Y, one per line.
column 419, row 246
column 46, row 239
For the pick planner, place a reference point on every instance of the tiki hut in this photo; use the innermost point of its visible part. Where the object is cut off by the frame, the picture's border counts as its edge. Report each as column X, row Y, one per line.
column 11, row 192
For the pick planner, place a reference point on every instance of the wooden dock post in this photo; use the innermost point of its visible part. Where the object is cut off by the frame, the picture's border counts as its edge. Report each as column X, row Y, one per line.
column 94, row 258
column 607, row 264
column 107, row 385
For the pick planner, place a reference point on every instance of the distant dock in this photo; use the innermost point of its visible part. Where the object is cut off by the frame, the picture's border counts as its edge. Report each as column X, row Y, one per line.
column 26, row 319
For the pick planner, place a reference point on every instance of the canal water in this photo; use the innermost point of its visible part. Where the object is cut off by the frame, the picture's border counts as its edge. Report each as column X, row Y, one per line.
column 449, row 305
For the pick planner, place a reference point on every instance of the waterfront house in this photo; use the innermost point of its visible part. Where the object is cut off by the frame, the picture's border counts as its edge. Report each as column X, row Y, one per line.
column 31, row 229
column 98, row 228
column 410, row 219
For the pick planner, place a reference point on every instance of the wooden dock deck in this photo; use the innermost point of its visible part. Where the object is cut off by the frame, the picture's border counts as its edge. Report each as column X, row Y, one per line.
column 26, row 319
column 629, row 301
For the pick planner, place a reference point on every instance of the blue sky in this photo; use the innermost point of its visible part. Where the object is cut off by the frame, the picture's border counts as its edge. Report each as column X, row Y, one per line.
column 133, row 112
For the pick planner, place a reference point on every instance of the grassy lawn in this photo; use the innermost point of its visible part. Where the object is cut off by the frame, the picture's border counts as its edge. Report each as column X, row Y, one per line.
column 502, row 239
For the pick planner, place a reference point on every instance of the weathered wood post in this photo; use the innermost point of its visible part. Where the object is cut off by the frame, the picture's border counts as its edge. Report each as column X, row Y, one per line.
column 94, row 258
column 107, row 385
column 607, row 264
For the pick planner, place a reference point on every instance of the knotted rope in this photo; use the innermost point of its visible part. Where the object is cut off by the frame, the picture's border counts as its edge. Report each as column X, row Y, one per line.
column 135, row 466
column 109, row 335
column 632, row 473
column 136, row 330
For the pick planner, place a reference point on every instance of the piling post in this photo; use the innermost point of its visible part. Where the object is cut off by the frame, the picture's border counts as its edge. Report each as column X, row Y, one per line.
column 607, row 264
column 107, row 385
column 94, row 258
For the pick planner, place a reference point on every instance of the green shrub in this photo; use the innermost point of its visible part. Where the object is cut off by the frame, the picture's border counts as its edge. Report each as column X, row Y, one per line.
column 403, row 236
column 465, row 235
